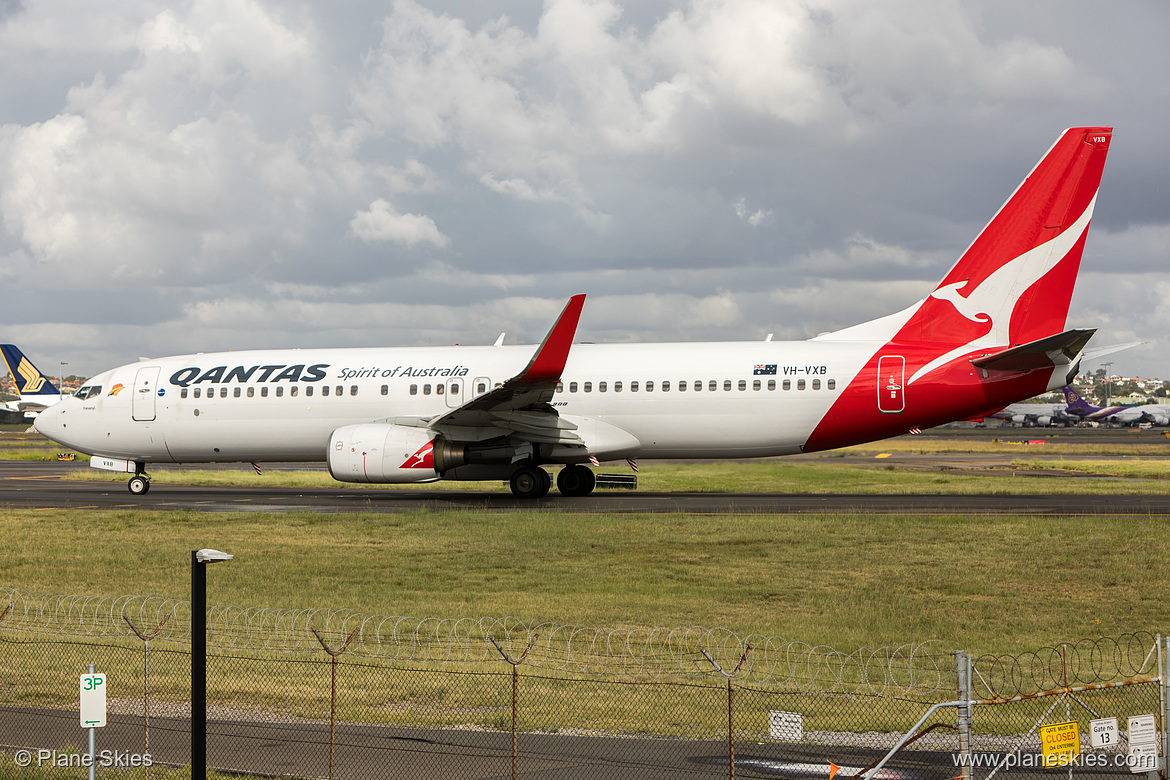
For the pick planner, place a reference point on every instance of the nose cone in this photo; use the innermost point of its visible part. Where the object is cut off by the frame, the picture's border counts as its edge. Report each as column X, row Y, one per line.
column 51, row 422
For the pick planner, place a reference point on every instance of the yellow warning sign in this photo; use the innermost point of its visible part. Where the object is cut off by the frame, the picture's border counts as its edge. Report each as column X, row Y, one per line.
column 1059, row 740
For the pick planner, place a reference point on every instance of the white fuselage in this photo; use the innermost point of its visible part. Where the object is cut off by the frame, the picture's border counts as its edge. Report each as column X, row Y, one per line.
column 678, row 400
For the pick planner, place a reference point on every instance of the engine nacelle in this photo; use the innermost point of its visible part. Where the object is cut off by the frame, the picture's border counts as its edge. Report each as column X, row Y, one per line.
column 1019, row 419
column 1158, row 419
column 384, row 452
column 381, row 452
column 1044, row 420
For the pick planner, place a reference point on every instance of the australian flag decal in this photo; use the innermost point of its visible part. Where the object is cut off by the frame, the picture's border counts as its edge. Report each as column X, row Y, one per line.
column 765, row 370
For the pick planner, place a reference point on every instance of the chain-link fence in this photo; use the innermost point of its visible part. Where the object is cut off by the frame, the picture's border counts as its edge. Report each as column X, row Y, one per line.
column 337, row 694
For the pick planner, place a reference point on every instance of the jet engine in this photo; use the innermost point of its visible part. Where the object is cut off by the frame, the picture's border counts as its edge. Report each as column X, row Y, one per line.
column 1044, row 420
column 384, row 452
column 379, row 452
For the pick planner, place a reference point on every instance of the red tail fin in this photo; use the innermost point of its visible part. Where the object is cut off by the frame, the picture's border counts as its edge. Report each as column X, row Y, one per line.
column 1014, row 283
column 951, row 356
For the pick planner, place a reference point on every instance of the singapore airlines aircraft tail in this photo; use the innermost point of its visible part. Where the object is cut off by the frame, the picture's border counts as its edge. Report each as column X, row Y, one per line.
column 35, row 389
column 991, row 333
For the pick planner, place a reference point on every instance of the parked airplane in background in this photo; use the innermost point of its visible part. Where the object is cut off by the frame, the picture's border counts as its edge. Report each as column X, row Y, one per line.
column 991, row 333
column 1154, row 414
column 35, row 389
column 1034, row 414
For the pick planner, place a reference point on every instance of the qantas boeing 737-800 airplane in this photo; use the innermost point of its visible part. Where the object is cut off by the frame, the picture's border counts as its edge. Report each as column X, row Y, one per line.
column 990, row 334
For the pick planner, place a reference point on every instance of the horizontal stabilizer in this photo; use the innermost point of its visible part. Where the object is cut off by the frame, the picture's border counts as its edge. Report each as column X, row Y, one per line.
column 1061, row 349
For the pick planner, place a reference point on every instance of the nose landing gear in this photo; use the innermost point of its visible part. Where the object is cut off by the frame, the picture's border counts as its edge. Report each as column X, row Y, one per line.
column 139, row 484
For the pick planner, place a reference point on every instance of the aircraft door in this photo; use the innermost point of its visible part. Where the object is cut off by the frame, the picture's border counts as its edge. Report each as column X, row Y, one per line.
column 891, row 383
column 455, row 392
column 145, row 384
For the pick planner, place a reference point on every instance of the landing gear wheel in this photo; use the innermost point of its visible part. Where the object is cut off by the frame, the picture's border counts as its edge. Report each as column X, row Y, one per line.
column 530, row 482
column 576, row 481
column 139, row 485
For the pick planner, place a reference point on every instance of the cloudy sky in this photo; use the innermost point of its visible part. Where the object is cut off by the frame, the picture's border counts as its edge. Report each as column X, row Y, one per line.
column 229, row 174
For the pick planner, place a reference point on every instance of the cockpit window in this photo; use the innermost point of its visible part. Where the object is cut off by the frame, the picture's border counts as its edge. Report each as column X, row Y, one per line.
column 89, row 391
column 81, row 393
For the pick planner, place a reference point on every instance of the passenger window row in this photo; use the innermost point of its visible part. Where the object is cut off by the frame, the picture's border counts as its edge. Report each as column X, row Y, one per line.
column 481, row 387
column 649, row 386
column 439, row 389
column 697, row 385
column 277, row 391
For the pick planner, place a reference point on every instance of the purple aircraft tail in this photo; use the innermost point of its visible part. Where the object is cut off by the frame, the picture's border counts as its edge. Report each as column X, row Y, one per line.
column 1082, row 408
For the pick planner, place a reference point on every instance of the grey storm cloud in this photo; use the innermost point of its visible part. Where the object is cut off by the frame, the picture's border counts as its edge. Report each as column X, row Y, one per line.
column 228, row 174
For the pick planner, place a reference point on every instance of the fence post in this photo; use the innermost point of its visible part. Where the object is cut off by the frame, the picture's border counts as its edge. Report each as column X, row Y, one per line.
column 515, row 687
column 1163, row 660
column 730, row 702
column 963, row 669
column 146, row 681
column 333, row 684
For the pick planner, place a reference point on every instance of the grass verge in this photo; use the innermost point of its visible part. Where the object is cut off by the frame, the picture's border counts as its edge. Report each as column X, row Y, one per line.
column 986, row 584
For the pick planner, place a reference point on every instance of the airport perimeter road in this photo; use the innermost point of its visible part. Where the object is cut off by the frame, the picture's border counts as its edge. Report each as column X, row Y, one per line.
column 302, row 750
column 41, row 485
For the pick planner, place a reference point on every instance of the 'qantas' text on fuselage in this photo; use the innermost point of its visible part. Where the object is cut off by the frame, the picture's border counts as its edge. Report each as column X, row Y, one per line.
column 194, row 375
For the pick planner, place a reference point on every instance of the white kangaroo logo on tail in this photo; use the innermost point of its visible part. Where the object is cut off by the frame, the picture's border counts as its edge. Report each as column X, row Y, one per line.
column 993, row 299
column 950, row 292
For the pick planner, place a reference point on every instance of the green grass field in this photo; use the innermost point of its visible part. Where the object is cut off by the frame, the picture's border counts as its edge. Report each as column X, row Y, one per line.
column 846, row 580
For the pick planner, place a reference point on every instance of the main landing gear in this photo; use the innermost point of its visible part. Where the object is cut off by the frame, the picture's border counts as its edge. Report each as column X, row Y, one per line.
column 139, row 484
column 535, row 482
column 530, row 482
column 576, row 481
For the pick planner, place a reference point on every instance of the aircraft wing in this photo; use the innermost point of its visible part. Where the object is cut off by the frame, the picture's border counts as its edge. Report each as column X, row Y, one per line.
column 1099, row 352
column 521, row 405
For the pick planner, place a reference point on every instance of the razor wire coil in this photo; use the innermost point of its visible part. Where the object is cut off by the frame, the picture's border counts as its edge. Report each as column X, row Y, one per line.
column 1083, row 662
column 917, row 669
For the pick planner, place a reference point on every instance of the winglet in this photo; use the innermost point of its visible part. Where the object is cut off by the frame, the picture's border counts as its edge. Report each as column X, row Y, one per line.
column 550, row 358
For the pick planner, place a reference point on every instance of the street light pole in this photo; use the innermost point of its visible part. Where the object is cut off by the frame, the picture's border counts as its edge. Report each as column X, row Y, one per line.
column 199, row 657
column 1108, row 383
